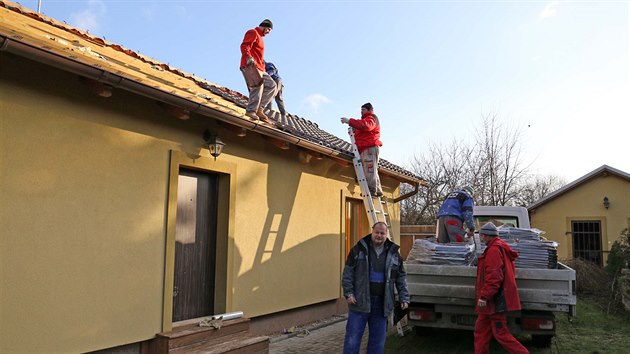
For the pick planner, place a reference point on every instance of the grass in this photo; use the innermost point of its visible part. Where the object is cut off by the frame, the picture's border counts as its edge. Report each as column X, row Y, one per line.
column 592, row 331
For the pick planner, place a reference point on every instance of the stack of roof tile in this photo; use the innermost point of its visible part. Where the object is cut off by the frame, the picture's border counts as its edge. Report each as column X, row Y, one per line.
column 427, row 252
column 515, row 233
column 534, row 251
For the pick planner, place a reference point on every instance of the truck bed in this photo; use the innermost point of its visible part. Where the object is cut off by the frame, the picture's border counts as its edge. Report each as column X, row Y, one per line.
column 539, row 289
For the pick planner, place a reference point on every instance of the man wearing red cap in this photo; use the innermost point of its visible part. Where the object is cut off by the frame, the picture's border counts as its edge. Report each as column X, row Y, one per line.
column 253, row 58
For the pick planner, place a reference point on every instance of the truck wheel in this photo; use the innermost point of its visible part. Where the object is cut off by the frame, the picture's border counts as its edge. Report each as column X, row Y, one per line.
column 541, row 340
column 422, row 331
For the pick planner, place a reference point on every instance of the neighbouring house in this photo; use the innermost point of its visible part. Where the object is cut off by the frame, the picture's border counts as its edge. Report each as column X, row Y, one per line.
column 587, row 215
column 118, row 224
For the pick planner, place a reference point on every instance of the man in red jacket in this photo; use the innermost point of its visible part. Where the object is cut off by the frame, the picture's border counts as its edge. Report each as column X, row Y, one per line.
column 253, row 56
column 367, row 135
column 495, row 293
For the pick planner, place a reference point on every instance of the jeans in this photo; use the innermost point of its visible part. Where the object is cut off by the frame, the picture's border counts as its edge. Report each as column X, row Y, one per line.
column 377, row 325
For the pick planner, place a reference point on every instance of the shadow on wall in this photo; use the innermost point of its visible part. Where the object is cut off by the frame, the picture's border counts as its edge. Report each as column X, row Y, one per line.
column 282, row 278
column 305, row 274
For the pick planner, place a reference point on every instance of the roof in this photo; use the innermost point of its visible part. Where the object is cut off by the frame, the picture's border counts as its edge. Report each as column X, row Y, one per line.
column 601, row 171
column 41, row 38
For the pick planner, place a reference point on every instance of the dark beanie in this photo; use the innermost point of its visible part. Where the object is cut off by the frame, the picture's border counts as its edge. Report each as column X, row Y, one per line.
column 489, row 229
column 368, row 106
column 266, row 23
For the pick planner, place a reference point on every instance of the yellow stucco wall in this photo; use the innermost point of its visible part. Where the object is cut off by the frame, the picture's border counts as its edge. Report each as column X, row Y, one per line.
column 84, row 191
column 585, row 203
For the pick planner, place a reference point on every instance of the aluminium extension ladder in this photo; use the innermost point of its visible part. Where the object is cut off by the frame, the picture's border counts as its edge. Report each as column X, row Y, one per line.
column 376, row 212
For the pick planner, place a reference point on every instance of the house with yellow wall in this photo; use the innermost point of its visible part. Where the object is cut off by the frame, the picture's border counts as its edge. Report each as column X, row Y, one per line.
column 116, row 221
column 587, row 215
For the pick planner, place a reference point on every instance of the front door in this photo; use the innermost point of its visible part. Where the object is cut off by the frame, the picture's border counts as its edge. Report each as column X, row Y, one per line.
column 195, row 245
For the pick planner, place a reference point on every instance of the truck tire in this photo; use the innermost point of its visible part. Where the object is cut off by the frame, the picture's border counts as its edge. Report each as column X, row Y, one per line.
column 541, row 340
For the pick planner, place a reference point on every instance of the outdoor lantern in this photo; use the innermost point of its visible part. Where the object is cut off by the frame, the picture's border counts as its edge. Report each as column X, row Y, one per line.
column 606, row 202
column 215, row 145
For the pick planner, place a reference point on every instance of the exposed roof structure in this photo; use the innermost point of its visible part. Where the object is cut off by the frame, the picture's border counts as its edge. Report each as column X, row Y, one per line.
column 603, row 170
column 107, row 66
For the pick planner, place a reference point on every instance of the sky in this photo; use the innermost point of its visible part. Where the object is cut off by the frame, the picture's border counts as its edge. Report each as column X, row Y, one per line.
column 556, row 71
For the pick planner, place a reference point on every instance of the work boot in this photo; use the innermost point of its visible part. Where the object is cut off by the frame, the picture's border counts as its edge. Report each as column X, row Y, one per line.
column 262, row 116
column 251, row 115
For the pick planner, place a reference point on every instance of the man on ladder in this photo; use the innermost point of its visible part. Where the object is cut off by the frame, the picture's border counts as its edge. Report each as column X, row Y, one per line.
column 367, row 133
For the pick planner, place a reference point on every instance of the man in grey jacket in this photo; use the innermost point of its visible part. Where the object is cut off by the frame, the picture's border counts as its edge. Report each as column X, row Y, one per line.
column 373, row 269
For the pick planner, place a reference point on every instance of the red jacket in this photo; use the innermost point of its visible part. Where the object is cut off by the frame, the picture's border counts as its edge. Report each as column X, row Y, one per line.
column 253, row 46
column 494, row 268
column 367, row 131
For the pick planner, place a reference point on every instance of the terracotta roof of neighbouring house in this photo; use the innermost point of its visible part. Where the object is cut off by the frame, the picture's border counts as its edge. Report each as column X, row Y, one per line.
column 42, row 38
column 603, row 170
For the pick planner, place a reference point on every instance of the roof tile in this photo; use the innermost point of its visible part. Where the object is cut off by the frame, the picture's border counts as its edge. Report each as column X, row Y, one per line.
column 160, row 75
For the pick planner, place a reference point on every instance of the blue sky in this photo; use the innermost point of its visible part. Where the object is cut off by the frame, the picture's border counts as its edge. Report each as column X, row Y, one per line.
column 557, row 70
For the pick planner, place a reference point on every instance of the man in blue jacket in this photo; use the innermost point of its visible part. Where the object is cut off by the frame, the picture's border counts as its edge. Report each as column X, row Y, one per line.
column 273, row 72
column 456, row 210
column 373, row 269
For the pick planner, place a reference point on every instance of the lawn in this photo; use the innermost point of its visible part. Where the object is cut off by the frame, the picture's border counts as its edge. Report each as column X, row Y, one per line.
column 591, row 331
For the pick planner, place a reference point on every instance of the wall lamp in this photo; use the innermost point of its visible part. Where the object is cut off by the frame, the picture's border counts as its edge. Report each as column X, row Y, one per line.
column 215, row 145
column 606, row 202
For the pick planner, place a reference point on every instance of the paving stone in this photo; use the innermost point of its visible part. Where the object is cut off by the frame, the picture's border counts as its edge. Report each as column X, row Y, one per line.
column 328, row 339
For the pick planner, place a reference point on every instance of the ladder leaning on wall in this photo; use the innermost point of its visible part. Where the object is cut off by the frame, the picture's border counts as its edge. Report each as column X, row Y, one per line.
column 376, row 207
column 376, row 212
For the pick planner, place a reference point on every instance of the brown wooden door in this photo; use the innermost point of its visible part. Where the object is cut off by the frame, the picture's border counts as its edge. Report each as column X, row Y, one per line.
column 195, row 245
column 357, row 224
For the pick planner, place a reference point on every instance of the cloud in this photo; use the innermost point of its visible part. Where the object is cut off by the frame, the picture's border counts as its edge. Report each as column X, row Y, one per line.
column 549, row 11
column 315, row 101
column 88, row 19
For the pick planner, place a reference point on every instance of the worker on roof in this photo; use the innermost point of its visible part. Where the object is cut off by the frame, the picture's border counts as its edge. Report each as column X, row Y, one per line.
column 495, row 293
column 456, row 210
column 367, row 135
column 273, row 72
column 261, row 86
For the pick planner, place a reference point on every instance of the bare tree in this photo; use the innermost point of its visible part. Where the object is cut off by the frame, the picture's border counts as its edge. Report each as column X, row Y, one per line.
column 499, row 168
column 536, row 187
column 491, row 163
column 443, row 171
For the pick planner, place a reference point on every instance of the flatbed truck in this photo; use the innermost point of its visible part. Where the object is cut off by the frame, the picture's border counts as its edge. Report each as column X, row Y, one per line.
column 443, row 296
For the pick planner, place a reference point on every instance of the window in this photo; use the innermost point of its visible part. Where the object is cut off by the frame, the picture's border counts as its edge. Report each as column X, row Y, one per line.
column 496, row 220
column 587, row 241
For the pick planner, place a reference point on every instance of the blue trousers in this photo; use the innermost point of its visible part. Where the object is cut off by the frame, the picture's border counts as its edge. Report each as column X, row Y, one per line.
column 377, row 326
